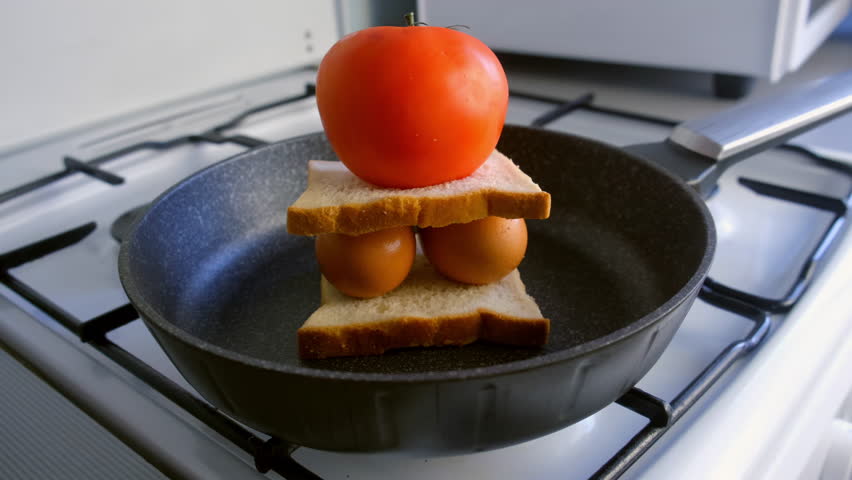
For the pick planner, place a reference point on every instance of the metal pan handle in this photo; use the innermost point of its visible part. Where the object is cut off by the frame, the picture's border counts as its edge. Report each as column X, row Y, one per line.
column 700, row 150
column 766, row 121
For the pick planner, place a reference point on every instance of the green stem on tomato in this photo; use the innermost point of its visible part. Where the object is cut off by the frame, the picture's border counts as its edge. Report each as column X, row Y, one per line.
column 409, row 18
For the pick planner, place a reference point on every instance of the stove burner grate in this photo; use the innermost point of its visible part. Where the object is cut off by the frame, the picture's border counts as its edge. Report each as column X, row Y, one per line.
column 214, row 135
column 276, row 454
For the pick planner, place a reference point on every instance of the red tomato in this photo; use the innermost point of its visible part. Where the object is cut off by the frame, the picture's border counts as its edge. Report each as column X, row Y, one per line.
column 479, row 252
column 411, row 106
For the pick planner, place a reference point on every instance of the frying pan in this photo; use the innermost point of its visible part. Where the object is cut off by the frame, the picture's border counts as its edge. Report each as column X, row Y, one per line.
column 223, row 287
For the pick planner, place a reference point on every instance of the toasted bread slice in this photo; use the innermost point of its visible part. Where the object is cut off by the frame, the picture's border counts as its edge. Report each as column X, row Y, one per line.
column 426, row 310
column 336, row 201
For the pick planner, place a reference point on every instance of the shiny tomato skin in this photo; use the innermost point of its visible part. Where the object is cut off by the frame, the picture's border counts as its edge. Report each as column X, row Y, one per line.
column 367, row 265
column 412, row 106
column 480, row 252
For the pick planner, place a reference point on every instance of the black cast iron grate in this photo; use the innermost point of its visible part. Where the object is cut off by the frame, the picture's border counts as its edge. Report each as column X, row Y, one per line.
column 93, row 167
column 837, row 206
column 275, row 454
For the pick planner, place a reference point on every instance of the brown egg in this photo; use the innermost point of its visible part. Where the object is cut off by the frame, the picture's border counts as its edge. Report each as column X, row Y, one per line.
column 366, row 265
column 479, row 252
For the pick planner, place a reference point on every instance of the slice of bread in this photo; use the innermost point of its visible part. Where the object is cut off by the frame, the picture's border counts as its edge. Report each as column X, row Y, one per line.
column 426, row 310
column 336, row 201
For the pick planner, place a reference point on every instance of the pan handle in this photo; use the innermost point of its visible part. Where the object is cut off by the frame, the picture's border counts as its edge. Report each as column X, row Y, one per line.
column 700, row 150
column 755, row 125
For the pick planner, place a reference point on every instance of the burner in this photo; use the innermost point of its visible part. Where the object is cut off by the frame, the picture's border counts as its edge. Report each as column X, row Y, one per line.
column 121, row 226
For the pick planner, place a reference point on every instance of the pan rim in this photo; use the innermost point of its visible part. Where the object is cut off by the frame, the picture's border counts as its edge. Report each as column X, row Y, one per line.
column 151, row 317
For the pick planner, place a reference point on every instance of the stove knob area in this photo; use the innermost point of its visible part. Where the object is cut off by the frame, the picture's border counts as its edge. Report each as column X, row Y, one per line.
column 838, row 460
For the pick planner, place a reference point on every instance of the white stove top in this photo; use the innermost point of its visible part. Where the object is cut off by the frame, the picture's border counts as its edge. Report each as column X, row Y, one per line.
column 762, row 245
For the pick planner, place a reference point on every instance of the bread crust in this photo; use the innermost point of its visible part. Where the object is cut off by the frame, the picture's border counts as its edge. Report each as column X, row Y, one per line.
column 377, row 337
column 402, row 210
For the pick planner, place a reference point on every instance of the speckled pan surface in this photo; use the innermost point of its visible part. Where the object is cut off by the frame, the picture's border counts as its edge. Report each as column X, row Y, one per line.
column 224, row 288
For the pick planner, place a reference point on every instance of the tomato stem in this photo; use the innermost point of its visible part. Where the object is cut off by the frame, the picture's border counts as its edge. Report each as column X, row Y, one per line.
column 409, row 18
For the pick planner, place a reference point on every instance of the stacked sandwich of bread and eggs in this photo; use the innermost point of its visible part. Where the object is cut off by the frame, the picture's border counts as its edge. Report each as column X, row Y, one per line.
column 420, row 225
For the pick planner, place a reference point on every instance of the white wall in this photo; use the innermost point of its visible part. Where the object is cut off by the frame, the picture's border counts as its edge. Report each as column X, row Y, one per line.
column 64, row 64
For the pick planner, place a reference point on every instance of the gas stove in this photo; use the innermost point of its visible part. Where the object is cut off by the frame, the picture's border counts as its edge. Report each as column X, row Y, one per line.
column 782, row 249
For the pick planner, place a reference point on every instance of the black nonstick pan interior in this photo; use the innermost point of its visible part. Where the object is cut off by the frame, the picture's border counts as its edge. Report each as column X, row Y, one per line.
column 618, row 245
column 223, row 288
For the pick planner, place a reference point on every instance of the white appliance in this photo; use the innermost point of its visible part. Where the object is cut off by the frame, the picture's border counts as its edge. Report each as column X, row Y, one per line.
column 755, row 38
column 776, row 409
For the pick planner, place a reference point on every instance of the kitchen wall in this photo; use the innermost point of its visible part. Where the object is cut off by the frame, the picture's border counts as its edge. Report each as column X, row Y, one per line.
column 68, row 64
